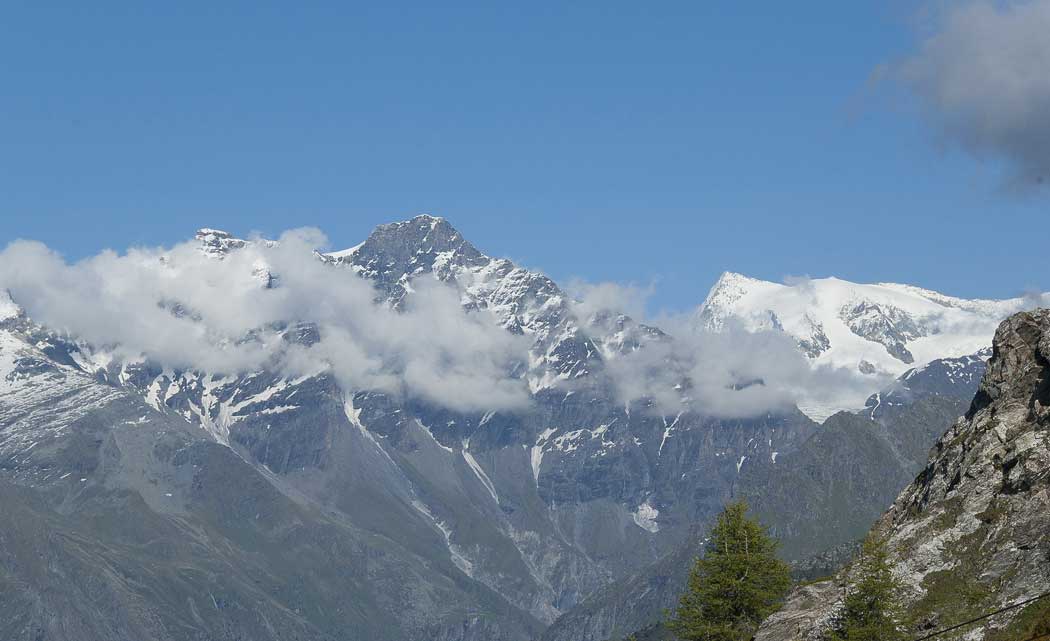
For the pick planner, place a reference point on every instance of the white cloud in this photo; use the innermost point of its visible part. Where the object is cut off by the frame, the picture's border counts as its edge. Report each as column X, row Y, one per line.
column 732, row 373
column 983, row 78
column 433, row 349
column 1034, row 299
column 595, row 298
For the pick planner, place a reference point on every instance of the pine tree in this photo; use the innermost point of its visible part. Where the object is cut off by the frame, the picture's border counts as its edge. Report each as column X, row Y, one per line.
column 871, row 611
column 736, row 584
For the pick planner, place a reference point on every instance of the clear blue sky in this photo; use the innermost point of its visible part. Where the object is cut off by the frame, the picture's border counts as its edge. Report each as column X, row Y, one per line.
column 605, row 140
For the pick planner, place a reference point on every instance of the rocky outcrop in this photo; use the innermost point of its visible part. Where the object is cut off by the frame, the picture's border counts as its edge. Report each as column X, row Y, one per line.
column 971, row 534
column 805, row 615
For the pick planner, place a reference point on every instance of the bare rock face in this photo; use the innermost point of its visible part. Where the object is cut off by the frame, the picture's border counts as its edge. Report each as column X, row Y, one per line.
column 805, row 615
column 971, row 534
column 973, row 531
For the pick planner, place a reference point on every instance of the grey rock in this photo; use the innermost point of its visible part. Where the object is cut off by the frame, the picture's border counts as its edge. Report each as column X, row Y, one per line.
column 889, row 326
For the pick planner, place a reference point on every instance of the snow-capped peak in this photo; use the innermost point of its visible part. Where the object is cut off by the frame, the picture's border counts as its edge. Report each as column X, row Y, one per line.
column 872, row 329
column 724, row 296
column 395, row 253
column 410, row 243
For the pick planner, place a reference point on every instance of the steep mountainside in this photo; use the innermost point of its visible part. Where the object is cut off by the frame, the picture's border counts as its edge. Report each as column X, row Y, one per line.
column 816, row 499
column 123, row 521
column 839, row 481
column 971, row 534
column 876, row 331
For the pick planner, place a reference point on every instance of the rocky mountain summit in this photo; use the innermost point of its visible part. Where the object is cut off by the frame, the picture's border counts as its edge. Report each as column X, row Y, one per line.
column 971, row 534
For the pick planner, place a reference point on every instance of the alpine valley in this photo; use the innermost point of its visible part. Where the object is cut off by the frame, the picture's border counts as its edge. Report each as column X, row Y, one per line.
column 298, row 498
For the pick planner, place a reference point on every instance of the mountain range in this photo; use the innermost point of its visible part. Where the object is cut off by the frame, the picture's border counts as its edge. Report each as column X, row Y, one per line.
column 319, row 490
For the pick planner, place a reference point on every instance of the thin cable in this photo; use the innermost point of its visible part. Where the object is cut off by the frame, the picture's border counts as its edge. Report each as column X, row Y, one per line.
column 985, row 616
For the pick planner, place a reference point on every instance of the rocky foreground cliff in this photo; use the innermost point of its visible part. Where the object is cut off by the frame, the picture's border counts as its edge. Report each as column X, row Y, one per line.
column 971, row 534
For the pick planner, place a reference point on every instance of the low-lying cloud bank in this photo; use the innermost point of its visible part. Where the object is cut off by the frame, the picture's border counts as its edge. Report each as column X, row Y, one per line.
column 183, row 309
column 125, row 302
column 982, row 78
column 731, row 373
column 735, row 373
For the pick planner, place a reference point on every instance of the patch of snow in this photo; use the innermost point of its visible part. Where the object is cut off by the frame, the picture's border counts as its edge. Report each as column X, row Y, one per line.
column 345, row 253
column 426, row 430
column 536, row 454
column 480, row 473
column 667, row 432
column 457, row 557
column 279, row 409
column 645, row 515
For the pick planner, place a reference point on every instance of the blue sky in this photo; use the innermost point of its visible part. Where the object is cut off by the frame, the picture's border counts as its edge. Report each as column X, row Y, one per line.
column 606, row 141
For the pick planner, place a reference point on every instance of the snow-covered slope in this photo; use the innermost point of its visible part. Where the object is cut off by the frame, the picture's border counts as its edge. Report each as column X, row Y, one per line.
column 877, row 330
column 42, row 392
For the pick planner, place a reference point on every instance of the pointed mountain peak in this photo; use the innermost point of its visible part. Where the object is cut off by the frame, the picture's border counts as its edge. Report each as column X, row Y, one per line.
column 424, row 232
column 729, row 287
column 734, row 279
column 422, row 244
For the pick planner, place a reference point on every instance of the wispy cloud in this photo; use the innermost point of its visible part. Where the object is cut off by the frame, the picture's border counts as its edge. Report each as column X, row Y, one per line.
column 596, row 298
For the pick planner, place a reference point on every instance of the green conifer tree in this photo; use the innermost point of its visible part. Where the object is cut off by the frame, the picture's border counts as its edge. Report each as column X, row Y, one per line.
column 736, row 584
column 871, row 611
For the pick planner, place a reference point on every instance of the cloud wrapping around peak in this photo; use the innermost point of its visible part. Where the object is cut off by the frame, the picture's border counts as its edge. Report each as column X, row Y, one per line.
column 609, row 297
column 983, row 78
column 185, row 310
column 731, row 373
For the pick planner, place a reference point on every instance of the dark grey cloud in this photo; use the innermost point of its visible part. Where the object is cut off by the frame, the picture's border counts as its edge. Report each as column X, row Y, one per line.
column 982, row 76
